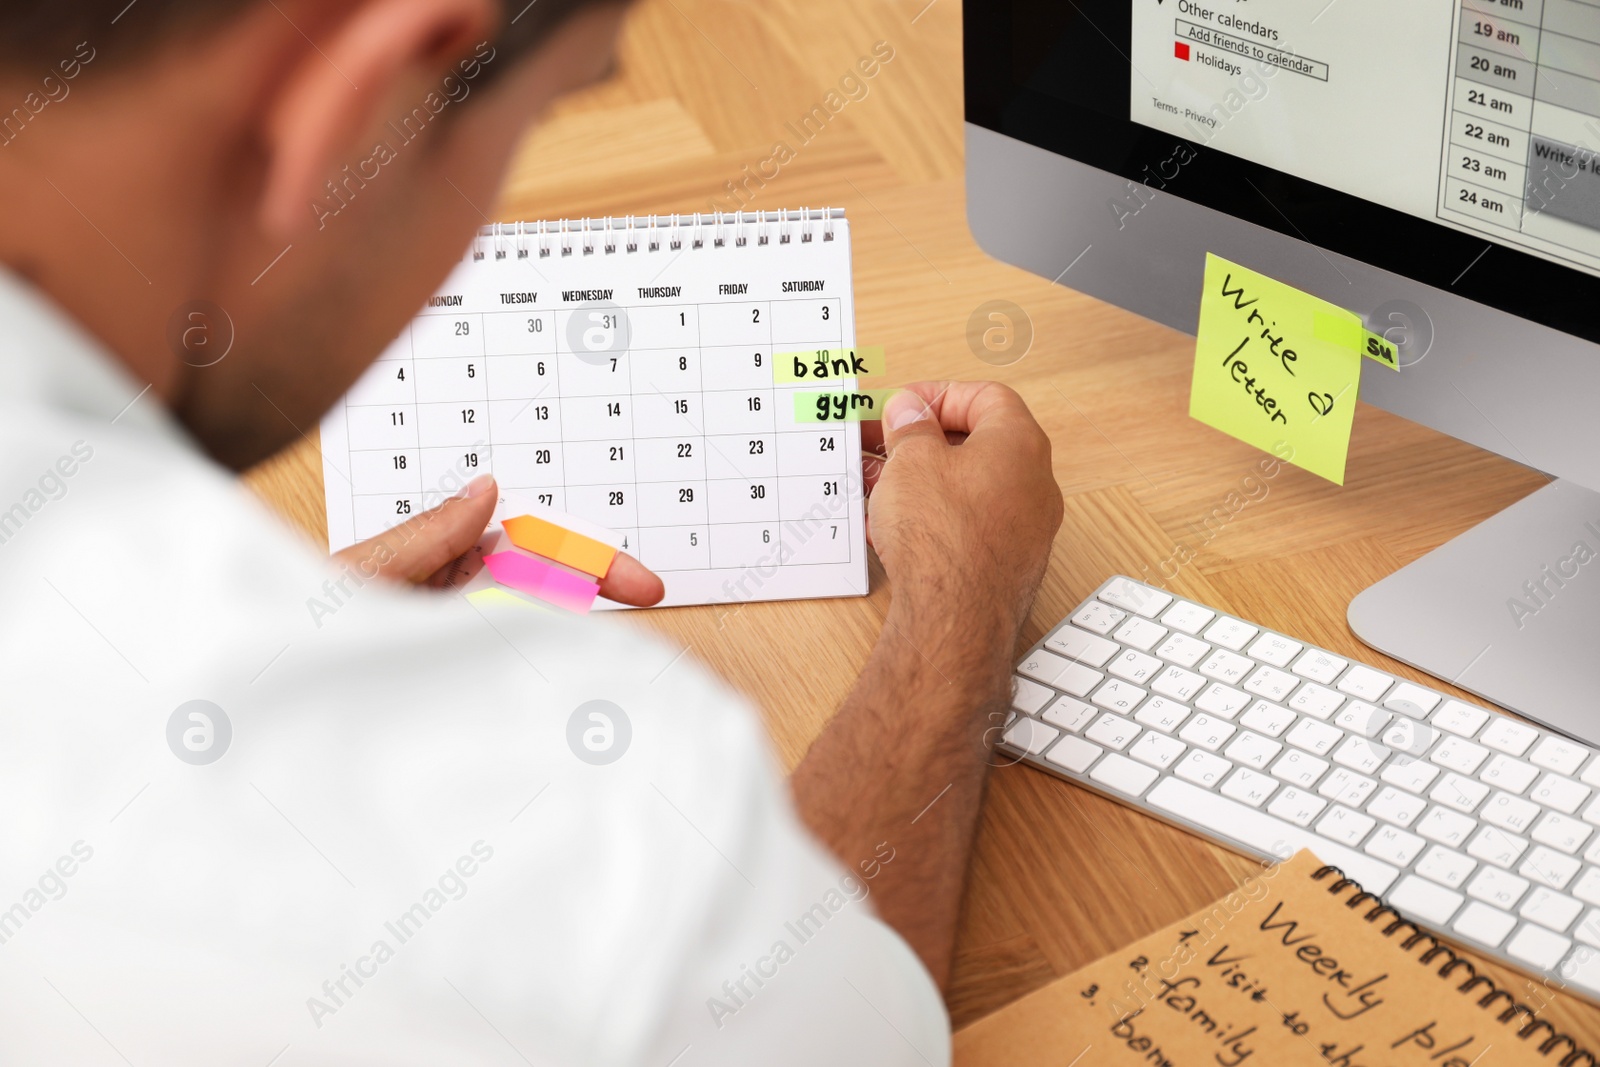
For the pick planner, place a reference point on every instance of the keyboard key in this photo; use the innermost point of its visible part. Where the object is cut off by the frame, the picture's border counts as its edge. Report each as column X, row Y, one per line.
column 1459, row 718
column 1497, row 847
column 1364, row 683
column 1362, row 755
column 1265, row 833
column 1117, row 695
column 1112, row 731
column 1299, row 768
column 1177, row 683
column 1136, row 667
column 1510, row 813
column 1582, row 967
column 1421, row 898
column 1562, row 794
column 1549, row 867
column 1141, row 634
column 1219, row 699
column 1202, row 768
column 1158, row 750
column 1183, row 650
column 1162, row 714
column 1446, row 827
column 1030, row 735
column 1226, row 667
column 1123, row 774
column 1345, row 826
column 1069, row 713
column 1412, row 775
column 1362, row 718
column 1462, row 794
column 1029, row 696
column 1587, row 887
column 1395, row 845
column 1412, row 700
column 1271, row 683
column 1051, row 669
column 1249, row 787
column 1296, row 805
column 1266, row 717
column 1189, row 618
column 1253, row 750
column 1591, row 774
column 1559, row 755
column 1274, row 649
column 1446, row 866
column 1075, row 754
column 1500, row 888
column 1207, row 732
column 1551, row 909
column 1100, row 617
column 1509, row 774
column 1410, row 737
column 1319, row 666
column 1131, row 596
column 1347, row 787
column 1537, row 947
column 1076, row 644
column 1396, row 806
column 1312, row 699
column 1561, row 832
column 1482, row 923
column 1509, row 737
column 1315, row 737
column 1230, row 633
column 1458, row 754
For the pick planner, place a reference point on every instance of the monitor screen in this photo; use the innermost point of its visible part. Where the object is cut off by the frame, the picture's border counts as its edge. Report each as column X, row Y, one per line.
column 1450, row 141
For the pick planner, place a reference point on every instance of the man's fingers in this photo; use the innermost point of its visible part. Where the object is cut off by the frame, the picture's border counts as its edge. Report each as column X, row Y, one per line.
column 631, row 582
column 909, row 416
column 414, row 550
column 964, row 407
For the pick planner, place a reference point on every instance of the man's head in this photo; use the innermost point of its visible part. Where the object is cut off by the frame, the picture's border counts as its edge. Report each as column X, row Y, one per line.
column 312, row 168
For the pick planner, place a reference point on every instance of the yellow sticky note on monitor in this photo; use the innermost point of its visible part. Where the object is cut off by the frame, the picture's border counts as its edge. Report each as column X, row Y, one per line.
column 1277, row 368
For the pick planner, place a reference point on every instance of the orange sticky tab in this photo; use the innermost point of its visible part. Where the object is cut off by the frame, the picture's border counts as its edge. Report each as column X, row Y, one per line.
column 533, row 534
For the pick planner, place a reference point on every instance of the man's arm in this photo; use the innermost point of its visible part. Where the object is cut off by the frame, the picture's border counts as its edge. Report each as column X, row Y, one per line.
column 964, row 531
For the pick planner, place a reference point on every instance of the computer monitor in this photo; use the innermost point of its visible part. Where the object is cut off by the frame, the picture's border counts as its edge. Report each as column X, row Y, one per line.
column 1430, row 165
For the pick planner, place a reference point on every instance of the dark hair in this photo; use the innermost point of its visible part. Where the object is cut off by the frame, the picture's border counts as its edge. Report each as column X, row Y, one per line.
column 40, row 34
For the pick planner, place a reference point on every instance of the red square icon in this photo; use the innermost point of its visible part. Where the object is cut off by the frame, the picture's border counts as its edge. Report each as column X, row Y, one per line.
column 1181, row 50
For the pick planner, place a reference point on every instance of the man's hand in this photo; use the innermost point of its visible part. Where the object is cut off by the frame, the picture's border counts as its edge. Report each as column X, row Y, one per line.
column 418, row 550
column 964, row 510
column 962, row 513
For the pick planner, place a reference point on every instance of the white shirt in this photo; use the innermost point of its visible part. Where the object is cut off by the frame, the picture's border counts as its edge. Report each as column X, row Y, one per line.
column 397, row 859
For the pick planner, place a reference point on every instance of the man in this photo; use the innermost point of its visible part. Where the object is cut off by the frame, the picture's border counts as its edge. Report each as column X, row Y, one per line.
column 235, row 836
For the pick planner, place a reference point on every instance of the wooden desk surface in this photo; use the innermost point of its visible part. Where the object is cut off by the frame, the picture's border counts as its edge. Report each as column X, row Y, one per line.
column 706, row 88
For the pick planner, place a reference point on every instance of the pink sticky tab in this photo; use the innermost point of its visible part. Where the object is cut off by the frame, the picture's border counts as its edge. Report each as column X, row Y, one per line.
column 538, row 578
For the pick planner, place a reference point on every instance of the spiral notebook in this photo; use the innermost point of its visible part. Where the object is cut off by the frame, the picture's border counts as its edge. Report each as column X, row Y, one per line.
column 1297, row 966
column 626, row 371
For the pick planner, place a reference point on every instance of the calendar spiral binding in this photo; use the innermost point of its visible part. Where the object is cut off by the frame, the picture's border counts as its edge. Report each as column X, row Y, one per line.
column 1532, row 1024
column 628, row 234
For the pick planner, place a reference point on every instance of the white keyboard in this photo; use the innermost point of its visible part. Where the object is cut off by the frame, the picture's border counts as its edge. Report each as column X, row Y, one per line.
column 1469, row 822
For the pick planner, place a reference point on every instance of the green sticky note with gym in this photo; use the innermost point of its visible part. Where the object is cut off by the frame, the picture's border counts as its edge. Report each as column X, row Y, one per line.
column 1279, row 368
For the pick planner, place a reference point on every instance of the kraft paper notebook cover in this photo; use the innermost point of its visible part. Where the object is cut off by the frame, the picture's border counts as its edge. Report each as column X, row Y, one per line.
column 1297, row 966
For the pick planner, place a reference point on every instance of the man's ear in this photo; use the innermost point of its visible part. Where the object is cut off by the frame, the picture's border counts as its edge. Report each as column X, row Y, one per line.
column 337, row 91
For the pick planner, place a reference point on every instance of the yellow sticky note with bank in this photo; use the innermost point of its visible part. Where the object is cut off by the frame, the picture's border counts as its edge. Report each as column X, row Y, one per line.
column 829, row 364
column 1278, row 368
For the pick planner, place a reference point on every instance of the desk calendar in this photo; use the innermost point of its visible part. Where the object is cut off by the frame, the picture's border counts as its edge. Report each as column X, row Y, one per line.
column 623, row 371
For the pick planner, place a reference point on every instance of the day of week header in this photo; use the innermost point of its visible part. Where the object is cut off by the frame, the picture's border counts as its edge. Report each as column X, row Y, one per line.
column 452, row 300
column 733, row 290
column 804, row 287
column 571, row 295
column 656, row 292
column 519, row 298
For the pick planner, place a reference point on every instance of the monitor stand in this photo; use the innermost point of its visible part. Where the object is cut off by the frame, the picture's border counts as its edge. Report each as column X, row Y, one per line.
column 1509, row 610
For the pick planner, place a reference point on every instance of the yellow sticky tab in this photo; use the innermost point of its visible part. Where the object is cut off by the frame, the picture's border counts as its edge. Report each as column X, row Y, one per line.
column 1380, row 349
column 829, row 364
column 485, row 598
column 533, row 534
column 840, row 405
column 1277, row 368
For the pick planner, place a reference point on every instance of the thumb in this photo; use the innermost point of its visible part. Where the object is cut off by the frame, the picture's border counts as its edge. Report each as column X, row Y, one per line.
column 414, row 550
column 906, row 417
